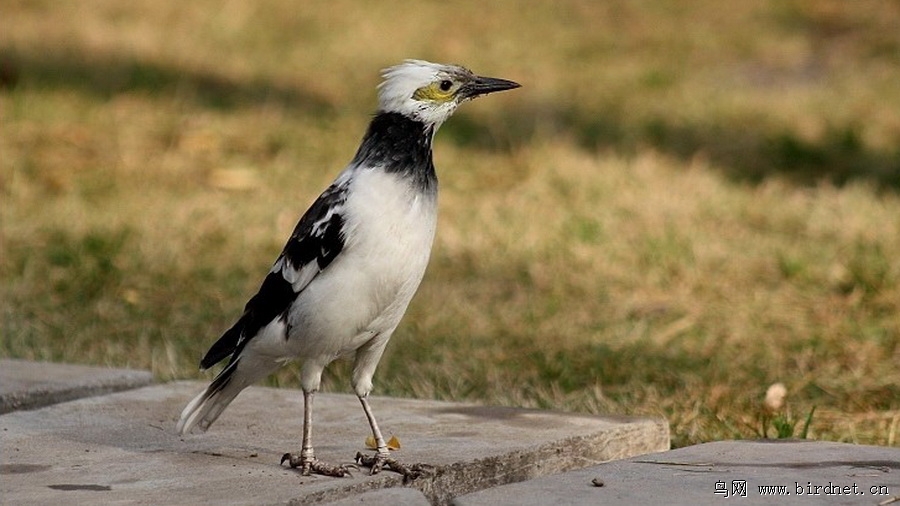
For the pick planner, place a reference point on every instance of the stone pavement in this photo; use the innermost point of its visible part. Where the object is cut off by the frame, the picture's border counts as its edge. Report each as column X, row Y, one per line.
column 30, row 385
column 724, row 472
column 122, row 448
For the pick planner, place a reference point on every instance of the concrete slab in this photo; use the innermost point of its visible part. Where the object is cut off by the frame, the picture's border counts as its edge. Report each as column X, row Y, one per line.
column 400, row 496
column 751, row 472
column 122, row 448
column 29, row 385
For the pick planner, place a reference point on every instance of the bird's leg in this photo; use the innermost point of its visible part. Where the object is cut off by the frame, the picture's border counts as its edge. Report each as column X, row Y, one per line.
column 307, row 461
column 380, row 445
column 382, row 457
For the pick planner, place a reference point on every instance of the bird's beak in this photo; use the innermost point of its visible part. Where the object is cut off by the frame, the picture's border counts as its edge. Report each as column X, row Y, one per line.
column 484, row 85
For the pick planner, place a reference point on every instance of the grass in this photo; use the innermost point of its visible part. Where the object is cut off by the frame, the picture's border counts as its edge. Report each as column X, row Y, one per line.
column 686, row 203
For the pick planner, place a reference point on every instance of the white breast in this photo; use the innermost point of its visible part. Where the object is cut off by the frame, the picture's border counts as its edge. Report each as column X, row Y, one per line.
column 389, row 233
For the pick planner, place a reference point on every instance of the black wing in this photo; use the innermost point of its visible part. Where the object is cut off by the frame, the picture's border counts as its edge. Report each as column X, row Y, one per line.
column 316, row 241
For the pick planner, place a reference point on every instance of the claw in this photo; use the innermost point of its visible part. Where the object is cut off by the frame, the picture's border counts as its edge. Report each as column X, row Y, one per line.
column 379, row 461
column 309, row 465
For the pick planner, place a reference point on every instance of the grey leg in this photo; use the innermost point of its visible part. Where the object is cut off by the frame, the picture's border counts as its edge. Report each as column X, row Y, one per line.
column 382, row 457
column 307, row 461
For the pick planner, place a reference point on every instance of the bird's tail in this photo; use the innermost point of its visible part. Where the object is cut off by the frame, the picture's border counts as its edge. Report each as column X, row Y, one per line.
column 204, row 409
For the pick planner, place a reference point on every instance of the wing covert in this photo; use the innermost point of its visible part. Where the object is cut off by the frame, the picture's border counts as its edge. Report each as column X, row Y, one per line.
column 315, row 242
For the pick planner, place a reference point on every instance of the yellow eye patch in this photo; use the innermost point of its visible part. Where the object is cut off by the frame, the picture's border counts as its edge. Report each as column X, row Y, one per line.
column 434, row 93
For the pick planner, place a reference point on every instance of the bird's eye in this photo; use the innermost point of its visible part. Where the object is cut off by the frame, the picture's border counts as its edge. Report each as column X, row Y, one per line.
column 446, row 84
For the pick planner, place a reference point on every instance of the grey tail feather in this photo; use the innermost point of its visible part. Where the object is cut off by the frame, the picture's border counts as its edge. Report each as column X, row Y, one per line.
column 204, row 409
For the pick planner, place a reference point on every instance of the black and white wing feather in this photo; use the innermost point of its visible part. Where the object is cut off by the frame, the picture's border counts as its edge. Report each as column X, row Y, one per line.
column 316, row 241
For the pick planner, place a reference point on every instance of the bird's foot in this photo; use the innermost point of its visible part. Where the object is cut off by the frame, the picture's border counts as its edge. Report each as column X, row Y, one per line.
column 310, row 465
column 381, row 461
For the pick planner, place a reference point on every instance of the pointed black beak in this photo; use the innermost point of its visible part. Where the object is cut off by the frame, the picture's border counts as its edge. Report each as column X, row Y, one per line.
column 484, row 85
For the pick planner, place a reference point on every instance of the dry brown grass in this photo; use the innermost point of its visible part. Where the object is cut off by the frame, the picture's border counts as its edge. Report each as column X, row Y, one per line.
column 683, row 205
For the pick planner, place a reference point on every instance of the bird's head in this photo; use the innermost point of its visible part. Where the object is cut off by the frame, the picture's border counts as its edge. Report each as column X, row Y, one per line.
column 431, row 92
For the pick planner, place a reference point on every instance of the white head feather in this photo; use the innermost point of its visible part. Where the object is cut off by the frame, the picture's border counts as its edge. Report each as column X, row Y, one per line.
column 416, row 89
column 402, row 81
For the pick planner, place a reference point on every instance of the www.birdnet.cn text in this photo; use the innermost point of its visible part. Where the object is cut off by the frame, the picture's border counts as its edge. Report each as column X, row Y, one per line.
column 742, row 488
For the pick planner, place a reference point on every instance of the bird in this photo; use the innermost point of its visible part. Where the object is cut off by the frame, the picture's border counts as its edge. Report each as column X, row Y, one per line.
column 352, row 264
